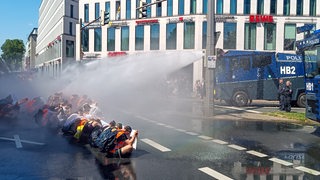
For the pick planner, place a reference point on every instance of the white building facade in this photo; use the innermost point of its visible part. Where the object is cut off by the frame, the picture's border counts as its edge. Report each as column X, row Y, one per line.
column 175, row 25
column 56, row 35
column 30, row 54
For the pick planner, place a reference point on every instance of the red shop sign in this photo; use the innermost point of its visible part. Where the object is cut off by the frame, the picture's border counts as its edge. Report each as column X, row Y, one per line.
column 261, row 19
column 113, row 54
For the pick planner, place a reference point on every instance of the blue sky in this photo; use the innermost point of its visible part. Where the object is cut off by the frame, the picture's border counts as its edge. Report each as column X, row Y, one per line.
column 18, row 18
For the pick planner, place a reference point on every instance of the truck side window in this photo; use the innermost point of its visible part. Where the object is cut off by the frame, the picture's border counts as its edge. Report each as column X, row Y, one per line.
column 245, row 63
column 234, row 63
column 261, row 61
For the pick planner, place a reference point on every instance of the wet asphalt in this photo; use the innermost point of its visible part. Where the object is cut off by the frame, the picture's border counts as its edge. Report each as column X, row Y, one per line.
column 175, row 142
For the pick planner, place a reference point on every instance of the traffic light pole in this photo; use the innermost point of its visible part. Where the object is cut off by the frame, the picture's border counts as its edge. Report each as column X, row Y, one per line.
column 84, row 27
column 150, row 4
column 210, row 51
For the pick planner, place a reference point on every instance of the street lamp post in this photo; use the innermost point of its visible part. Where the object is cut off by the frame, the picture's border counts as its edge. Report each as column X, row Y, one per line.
column 210, row 51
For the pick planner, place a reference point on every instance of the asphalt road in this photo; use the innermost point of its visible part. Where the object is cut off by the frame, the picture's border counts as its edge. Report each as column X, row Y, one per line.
column 175, row 142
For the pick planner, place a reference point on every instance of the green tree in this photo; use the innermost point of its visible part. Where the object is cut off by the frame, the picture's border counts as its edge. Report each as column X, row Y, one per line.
column 13, row 53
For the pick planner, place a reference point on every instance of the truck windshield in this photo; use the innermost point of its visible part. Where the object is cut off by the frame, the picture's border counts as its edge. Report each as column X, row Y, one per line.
column 312, row 61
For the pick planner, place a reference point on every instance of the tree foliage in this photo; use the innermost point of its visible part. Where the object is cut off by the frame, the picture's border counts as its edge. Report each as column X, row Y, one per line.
column 13, row 53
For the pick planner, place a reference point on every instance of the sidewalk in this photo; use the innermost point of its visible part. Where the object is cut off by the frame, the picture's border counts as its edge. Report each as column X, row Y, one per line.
column 220, row 113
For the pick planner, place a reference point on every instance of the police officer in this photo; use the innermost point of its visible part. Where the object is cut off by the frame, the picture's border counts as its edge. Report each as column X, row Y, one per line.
column 287, row 96
column 281, row 89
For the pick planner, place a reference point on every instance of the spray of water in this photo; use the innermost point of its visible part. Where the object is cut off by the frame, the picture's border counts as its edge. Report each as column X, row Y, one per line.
column 121, row 81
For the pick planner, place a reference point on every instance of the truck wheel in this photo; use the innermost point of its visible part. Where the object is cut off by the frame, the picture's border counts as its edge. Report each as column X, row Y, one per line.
column 240, row 98
column 301, row 101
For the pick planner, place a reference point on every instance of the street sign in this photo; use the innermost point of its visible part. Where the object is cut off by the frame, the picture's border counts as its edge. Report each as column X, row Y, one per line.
column 212, row 61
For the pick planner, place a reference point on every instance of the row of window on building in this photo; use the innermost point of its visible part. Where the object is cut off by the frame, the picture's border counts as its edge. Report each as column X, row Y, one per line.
column 181, row 10
column 229, row 37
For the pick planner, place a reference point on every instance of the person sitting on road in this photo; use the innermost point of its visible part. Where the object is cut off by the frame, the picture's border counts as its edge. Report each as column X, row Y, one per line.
column 124, row 143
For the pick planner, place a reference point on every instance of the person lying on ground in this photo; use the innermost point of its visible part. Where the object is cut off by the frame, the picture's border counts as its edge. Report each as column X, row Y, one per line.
column 124, row 143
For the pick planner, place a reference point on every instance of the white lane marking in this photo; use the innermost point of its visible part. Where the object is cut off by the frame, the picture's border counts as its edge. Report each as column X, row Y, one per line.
column 255, row 153
column 161, row 124
column 285, row 163
column 214, row 173
column 205, row 137
column 155, row 145
column 237, row 147
column 143, row 118
column 181, row 130
column 17, row 141
column 219, row 141
column 168, row 126
column 307, row 170
column 31, row 142
column 192, row 133
column 23, row 141
column 235, row 108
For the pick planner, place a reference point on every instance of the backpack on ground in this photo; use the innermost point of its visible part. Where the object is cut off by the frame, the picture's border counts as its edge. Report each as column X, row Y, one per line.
column 86, row 132
column 94, row 136
column 106, row 140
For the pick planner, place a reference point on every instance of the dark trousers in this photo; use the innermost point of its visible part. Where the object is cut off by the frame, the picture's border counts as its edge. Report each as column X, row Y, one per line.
column 282, row 102
column 287, row 103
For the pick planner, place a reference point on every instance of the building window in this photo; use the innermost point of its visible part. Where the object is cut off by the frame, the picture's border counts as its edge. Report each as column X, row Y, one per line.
column 204, row 34
column 86, row 13
column 250, row 36
column 312, row 9
column 118, row 14
column 97, row 39
column 125, row 38
column 204, row 6
column 219, row 9
column 229, row 36
column 69, row 48
column 85, row 40
column 169, row 7
column 96, row 10
column 159, row 9
column 246, row 7
column 273, row 7
column 193, row 6
column 71, row 11
column 148, row 9
column 299, row 7
column 269, row 36
column 289, row 36
column 233, row 6
column 128, row 9
column 138, row 4
column 70, row 28
column 111, row 36
column 171, row 36
column 260, row 6
column 181, row 7
column 107, row 7
column 286, row 7
column 139, row 37
column 189, row 35
column 154, row 36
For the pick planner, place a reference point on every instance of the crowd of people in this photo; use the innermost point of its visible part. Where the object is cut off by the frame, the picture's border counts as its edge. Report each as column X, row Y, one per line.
column 77, row 117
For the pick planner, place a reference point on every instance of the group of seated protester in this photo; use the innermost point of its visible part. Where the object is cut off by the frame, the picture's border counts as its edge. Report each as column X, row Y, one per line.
column 79, row 117
column 9, row 108
column 112, row 139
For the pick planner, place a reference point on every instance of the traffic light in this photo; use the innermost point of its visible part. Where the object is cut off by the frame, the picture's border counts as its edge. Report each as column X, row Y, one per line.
column 143, row 10
column 105, row 18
